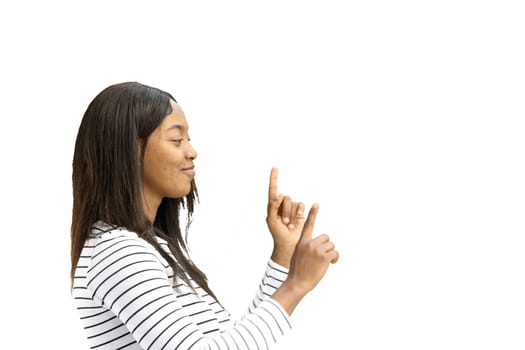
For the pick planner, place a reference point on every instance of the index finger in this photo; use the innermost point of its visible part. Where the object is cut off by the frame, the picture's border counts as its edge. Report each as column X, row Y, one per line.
column 272, row 190
column 308, row 227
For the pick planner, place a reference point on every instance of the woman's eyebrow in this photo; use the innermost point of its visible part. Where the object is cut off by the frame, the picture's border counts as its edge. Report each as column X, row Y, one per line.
column 176, row 126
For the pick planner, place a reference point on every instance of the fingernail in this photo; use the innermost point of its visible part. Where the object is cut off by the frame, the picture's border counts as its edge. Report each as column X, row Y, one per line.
column 286, row 220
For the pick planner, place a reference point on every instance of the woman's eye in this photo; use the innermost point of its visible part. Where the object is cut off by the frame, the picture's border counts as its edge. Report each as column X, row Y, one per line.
column 178, row 141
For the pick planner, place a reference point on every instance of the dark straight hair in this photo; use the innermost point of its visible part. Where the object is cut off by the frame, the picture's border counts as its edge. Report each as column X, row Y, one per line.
column 108, row 175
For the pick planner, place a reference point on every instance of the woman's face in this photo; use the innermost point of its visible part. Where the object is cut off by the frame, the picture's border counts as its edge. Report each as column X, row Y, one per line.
column 168, row 160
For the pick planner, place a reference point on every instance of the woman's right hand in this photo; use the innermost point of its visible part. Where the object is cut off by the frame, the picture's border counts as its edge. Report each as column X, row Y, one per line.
column 310, row 261
column 312, row 256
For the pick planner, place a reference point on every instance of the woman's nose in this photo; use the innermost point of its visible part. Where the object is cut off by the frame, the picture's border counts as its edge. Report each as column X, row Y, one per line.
column 191, row 152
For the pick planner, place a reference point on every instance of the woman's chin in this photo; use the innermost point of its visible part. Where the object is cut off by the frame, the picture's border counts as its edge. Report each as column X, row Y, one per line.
column 180, row 194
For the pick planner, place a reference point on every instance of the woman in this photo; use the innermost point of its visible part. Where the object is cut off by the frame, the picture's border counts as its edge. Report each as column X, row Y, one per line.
column 134, row 284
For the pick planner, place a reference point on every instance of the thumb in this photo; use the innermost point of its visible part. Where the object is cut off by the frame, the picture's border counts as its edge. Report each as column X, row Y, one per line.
column 308, row 227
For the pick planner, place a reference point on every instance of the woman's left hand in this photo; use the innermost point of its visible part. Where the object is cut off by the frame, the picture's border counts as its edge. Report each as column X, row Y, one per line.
column 285, row 219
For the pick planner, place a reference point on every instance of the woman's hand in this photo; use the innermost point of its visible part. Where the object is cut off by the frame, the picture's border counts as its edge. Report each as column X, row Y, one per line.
column 312, row 256
column 285, row 220
column 309, row 264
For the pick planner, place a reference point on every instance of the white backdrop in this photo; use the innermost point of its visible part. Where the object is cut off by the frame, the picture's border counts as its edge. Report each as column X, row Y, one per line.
column 403, row 119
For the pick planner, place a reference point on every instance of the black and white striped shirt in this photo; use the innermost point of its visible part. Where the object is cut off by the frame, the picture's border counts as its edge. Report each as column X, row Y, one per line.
column 128, row 298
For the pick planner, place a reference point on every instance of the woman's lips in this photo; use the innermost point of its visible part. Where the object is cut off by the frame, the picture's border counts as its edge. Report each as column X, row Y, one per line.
column 189, row 171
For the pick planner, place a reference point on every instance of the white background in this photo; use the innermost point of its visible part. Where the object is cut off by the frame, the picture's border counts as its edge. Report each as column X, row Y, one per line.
column 403, row 119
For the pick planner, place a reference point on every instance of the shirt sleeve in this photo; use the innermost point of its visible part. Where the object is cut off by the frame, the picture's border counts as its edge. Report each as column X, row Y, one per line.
column 273, row 277
column 126, row 275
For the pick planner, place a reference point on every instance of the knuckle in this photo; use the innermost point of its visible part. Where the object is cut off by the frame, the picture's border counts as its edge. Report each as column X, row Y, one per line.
column 310, row 245
column 323, row 237
column 320, row 252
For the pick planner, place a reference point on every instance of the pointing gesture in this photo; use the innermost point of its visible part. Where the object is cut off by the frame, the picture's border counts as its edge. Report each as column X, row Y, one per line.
column 285, row 220
column 321, row 249
column 310, row 261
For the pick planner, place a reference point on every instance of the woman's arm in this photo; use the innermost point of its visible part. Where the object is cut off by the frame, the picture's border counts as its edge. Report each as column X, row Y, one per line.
column 128, row 277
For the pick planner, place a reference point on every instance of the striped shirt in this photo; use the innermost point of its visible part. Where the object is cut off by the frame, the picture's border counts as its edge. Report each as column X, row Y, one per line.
column 128, row 298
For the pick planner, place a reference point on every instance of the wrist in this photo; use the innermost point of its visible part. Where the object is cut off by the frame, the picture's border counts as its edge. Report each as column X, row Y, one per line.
column 289, row 294
column 282, row 255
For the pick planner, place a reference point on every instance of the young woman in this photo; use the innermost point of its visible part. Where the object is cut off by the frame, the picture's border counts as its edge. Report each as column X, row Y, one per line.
column 133, row 282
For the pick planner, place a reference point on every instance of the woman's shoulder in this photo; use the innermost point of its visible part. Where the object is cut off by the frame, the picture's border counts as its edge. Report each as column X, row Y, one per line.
column 110, row 243
column 101, row 230
column 104, row 235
